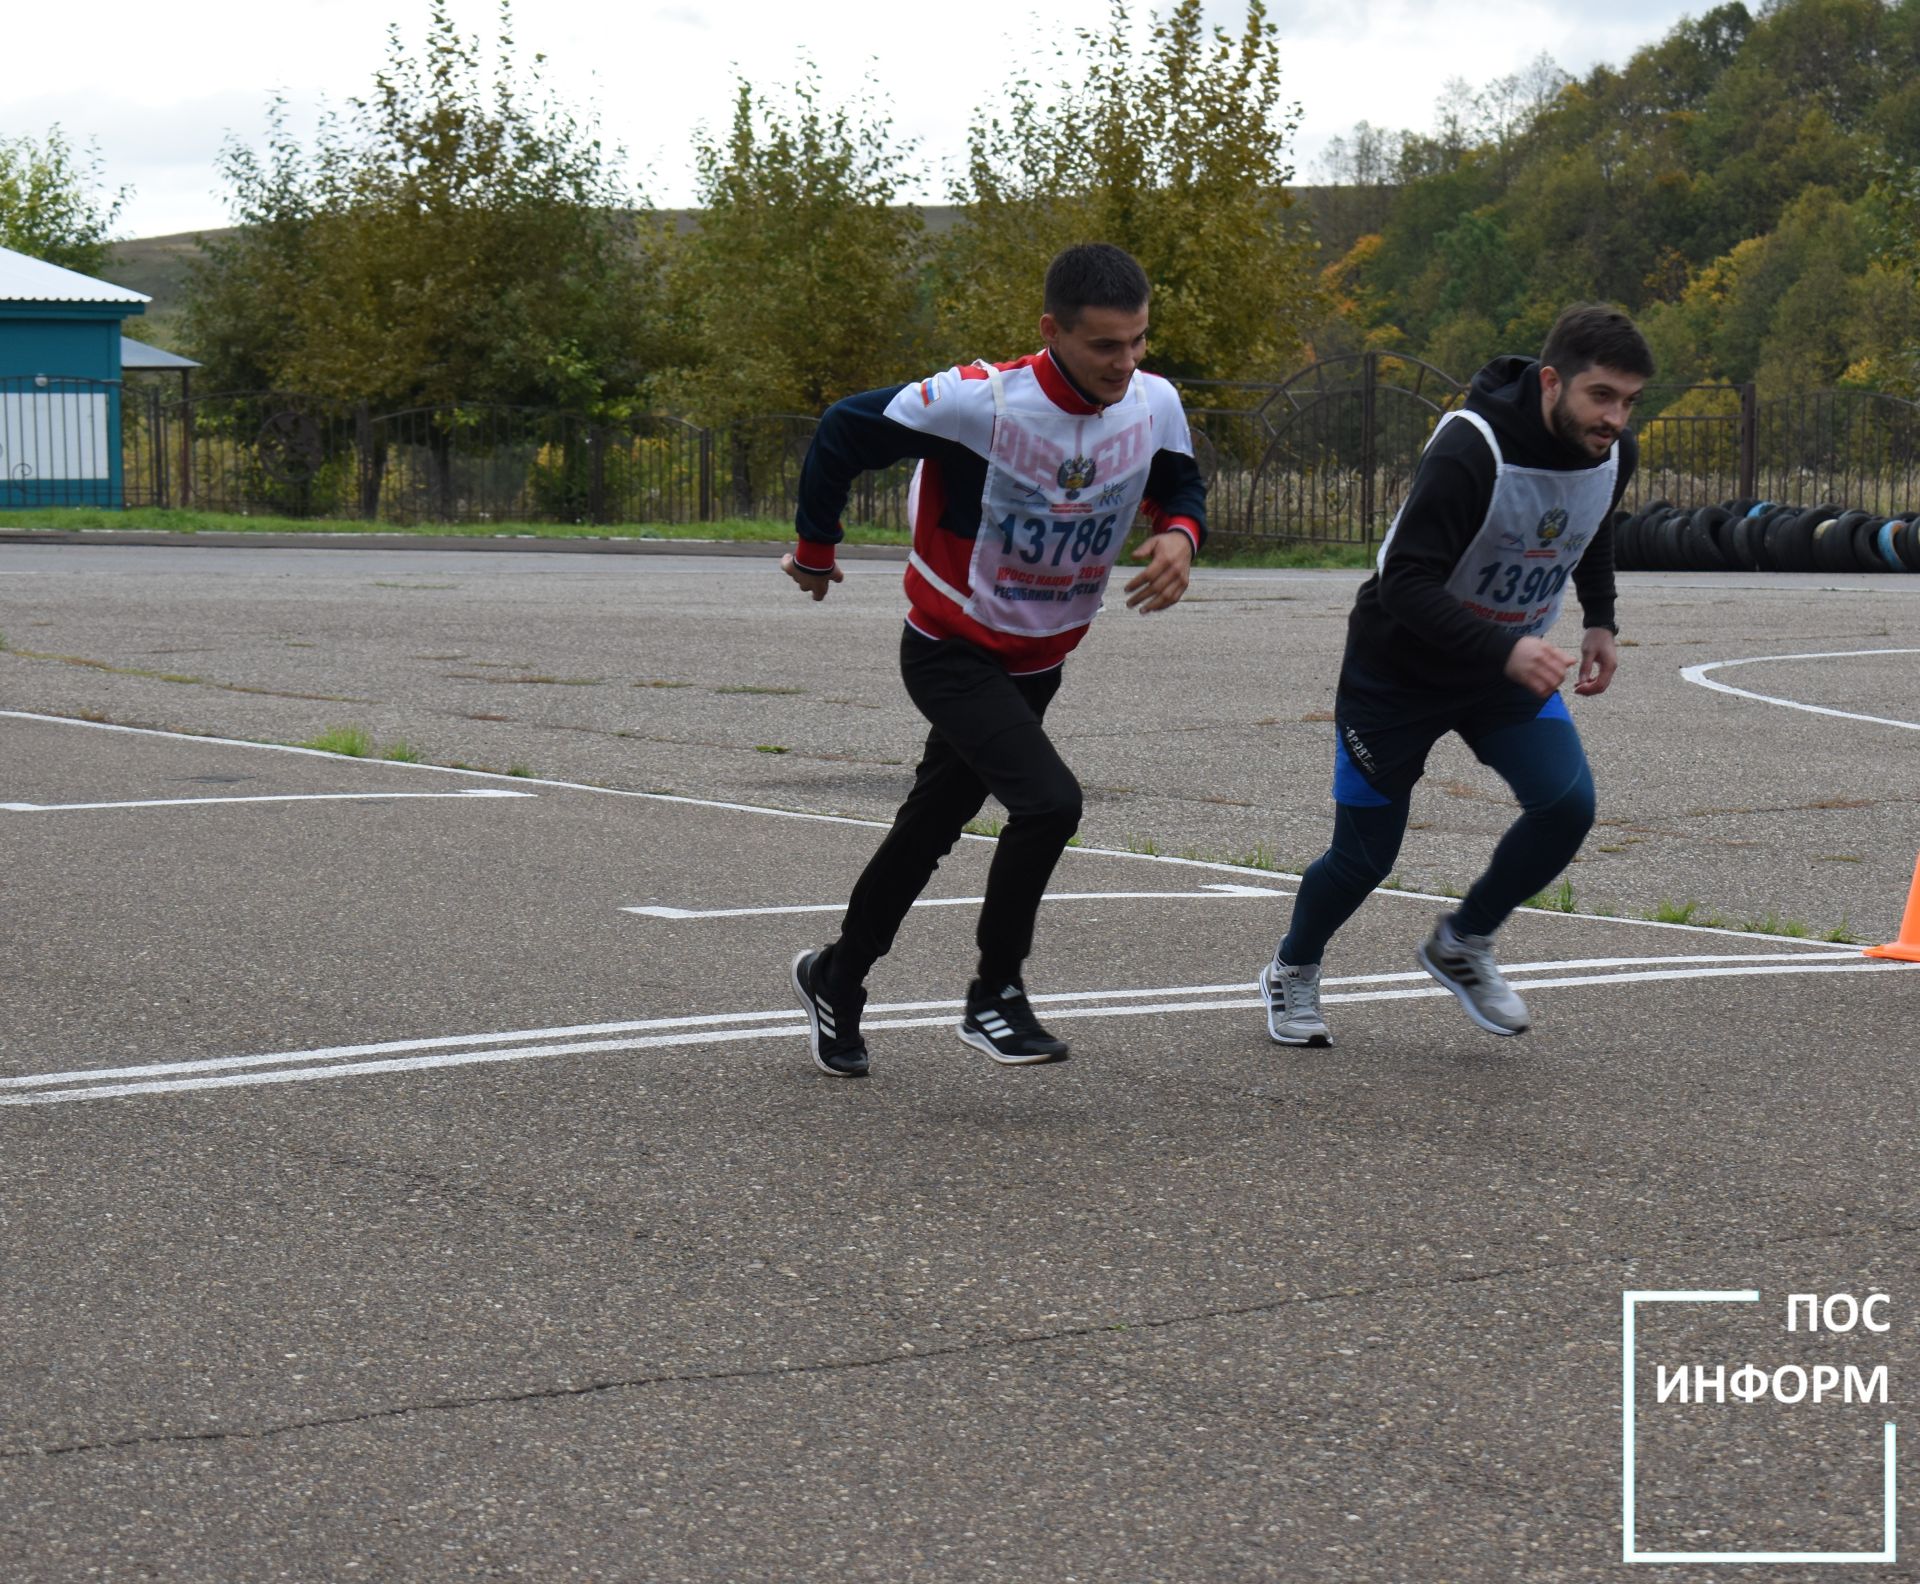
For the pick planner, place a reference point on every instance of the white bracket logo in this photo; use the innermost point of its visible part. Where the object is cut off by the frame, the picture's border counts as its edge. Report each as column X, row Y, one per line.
column 1629, row 1552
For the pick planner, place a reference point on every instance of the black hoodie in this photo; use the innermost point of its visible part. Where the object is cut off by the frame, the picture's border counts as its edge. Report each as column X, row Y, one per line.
column 1405, row 627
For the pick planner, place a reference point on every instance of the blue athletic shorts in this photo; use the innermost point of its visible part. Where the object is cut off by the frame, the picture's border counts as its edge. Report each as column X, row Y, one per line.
column 1384, row 731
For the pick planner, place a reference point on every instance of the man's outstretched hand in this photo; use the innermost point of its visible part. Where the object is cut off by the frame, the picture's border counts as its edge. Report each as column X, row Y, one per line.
column 814, row 583
column 1169, row 558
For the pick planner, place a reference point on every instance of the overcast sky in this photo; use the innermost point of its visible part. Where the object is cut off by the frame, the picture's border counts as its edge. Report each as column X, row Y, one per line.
column 158, row 87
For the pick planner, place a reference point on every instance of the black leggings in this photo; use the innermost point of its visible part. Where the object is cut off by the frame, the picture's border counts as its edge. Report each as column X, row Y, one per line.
column 986, row 738
column 1541, row 760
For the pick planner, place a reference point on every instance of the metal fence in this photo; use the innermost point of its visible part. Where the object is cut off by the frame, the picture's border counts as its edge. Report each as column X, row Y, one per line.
column 1707, row 443
column 281, row 454
column 1328, row 455
column 1325, row 456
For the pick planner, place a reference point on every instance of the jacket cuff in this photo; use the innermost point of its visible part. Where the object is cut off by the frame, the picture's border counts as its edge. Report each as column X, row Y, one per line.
column 810, row 555
column 1598, row 613
column 1186, row 525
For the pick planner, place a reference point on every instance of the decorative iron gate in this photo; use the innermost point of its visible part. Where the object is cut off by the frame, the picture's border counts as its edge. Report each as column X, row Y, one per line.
column 1325, row 455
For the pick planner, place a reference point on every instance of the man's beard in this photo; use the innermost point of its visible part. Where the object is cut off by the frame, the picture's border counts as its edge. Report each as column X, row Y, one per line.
column 1569, row 428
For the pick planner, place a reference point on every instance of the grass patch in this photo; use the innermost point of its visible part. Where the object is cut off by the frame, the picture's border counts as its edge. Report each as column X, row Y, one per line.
column 519, row 770
column 752, row 530
column 155, row 519
column 1774, row 924
column 1766, row 924
column 348, row 740
column 1558, row 900
column 1145, row 846
column 985, row 825
column 773, row 692
column 770, row 748
column 354, row 742
column 1670, row 912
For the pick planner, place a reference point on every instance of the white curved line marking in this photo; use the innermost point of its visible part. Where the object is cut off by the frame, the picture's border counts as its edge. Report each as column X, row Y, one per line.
column 1697, row 674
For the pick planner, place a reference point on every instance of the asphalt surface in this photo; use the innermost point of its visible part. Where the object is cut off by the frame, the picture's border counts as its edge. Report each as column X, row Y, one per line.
column 386, row 1200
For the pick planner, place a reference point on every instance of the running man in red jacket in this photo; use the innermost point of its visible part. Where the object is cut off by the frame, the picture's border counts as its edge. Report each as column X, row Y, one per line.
column 1030, row 475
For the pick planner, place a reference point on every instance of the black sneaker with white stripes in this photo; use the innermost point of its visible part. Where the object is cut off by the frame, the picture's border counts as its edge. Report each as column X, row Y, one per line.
column 1002, row 1024
column 834, row 1035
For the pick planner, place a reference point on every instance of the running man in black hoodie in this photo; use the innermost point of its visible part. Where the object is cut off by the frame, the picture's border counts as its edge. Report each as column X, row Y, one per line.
column 1513, row 500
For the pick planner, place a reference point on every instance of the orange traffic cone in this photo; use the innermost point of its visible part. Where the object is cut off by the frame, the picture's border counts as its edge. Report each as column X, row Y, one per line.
column 1907, row 947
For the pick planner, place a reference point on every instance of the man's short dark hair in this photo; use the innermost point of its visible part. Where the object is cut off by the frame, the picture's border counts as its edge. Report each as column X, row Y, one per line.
column 1590, row 334
column 1094, row 275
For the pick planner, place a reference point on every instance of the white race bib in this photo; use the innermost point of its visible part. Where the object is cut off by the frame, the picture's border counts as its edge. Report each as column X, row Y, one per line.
column 1539, row 522
column 1062, row 490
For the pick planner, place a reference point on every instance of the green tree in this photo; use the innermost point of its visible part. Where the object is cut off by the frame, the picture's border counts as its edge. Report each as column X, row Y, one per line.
column 1883, row 335
column 1176, row 151
column 797, row 283
column 51, row 203
column 460, row 237
column 239, row 314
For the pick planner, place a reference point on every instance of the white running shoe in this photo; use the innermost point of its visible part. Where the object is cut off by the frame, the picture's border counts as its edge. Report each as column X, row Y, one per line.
column 1465, row 965
column 1293, row 1004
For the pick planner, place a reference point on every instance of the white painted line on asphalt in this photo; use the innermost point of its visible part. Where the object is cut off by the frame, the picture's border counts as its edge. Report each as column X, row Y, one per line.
column 1209, row 893
column 1697, row 674
column 710, row 1019
column 284, row 797
column 745, row 1026
column 1208, row 864
column 483, row 775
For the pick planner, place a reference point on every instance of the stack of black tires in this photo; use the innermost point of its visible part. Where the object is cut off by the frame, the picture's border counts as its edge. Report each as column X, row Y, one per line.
column 1764, row 536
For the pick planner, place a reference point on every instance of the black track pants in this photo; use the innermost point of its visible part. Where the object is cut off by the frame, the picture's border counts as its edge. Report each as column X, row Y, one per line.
column 987, row 738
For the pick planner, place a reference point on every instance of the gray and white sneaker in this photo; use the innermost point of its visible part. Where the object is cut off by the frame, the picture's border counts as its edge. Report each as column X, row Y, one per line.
column 1292, row 995
column 1465, row 965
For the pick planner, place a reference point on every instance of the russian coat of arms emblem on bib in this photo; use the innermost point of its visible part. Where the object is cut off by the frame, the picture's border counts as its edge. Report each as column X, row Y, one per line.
column 1075, row 474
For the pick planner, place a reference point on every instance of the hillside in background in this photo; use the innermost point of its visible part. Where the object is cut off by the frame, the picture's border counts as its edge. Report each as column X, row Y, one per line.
column 157, row 266
column 1749, row 186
